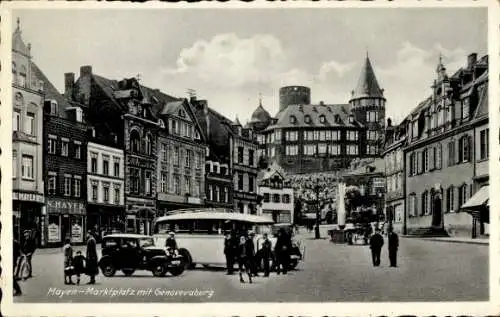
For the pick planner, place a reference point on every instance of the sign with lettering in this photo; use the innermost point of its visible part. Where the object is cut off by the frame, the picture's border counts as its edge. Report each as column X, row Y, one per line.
column 76, row 233
column 60, row 206
column 54, row 233
column 33, row 197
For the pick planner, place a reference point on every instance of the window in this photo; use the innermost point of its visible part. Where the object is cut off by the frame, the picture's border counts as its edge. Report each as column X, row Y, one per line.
column 412, row 205
column 164, row 153
column 52, row 183
column 176, row 156
column 293, row 119
column 307, row 119
column 451, row 153
column 425, row 204
column 78, row 149
column 291, row 135
column 322, row 119
column 266, row 197
column 147, row 181
column 440, row 117
column 316, row 135
column 94, row 191
column 352, row 149
column 22, row 77
column 240, row 154
column 484, row 144
column 464, row 149
column 16, row 120
column 53, row 107
column 173, row 126
column 334, row 149
column 372, row 135
column 465, row 109
column 30, row 123
column 199, row 162
column 352, row 135
column 450, row 199
column 217, row 194
column 197, row 188
column 322, row 148
column 276, row 198
column 116, row 168
column 187, row 185
column 105, row 187
column 148, row 145
column 438, row 156
column 309, row 149
column 240, row 181
column 462, row 195
column 277, row 136
column 93, row 163
column 105, row 165
column 251, row 157
column 226, row 194
column 251, row 184
column 27, row 167
column 134, row 180
column 322, row 136
column 286, row 199
column 291, row 150
column 135, row 141
column 426, row 160
column 189, row 154
column 371, row 150
column 77, row 186
column 117, row 194
column 64, row 147
column 210, row 194
column 371, row 116
column 51, row 144
column 67, row 185
column 163, row 182
column 177, row 185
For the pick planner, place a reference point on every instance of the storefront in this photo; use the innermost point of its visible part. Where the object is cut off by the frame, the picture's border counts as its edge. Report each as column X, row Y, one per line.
column 479, row 208
column 27, row 213
column 66, row 218
column 105, row 219
column 140, row 220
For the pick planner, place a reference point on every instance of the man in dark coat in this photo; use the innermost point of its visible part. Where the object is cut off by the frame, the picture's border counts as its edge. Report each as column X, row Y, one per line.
column 92, row 267
column 266, row 253
column 393, row 245
column 376, row 243
column 251, row 253
column 243, row 255
column 16, row 254
column 229, row 253
column 282, row 250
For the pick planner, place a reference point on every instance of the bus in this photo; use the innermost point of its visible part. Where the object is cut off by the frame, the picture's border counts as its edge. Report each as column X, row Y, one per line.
column 200, row 233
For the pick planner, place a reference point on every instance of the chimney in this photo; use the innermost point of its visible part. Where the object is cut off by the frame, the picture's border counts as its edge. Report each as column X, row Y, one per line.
column 86, row 71
column 192, row 99
column 69, row 82
column 321, row 103
column 389, row 122
column 471, row 60
column 84, row 88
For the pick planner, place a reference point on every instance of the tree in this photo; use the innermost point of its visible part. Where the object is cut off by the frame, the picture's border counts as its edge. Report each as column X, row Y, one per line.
column 353, row 199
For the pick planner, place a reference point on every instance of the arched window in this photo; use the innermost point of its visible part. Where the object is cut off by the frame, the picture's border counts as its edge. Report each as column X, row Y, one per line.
column 135, row 141
column 19, row 101
column 14, row 73
column 22, row 76
column 425, row 204
column 147, row 144
column 307, row 119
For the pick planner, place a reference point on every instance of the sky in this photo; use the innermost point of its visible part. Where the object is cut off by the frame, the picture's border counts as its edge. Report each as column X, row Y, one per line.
column 230, row 56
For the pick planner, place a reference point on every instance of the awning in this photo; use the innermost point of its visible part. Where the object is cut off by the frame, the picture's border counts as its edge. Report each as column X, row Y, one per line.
column 479, row 201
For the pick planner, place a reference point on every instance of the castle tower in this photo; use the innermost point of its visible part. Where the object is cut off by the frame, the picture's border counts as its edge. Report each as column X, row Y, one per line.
column 367, row 104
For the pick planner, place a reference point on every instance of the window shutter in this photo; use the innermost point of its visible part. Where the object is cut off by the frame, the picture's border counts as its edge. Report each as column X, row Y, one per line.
column 420, row 159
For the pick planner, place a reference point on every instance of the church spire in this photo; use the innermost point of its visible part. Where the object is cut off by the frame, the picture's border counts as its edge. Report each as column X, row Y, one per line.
column 260, row 99
column 441, row 70
column 367, row 86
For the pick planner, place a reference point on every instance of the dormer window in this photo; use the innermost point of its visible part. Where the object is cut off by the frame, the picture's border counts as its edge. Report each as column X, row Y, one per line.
column 53, row 107
column 307, row 119
column 162, row 124
column 22, row 76
column 322, row 119
column 293, row 119
column 465, row 109
column 181, row 113
column 78, row 115
column 351, row 119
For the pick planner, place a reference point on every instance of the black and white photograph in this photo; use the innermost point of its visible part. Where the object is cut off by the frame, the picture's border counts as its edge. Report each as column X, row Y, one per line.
column 248, row 155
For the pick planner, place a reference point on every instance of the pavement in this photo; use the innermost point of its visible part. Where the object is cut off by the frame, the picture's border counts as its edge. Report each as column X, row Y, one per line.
column 437, row 271
column 480, row 241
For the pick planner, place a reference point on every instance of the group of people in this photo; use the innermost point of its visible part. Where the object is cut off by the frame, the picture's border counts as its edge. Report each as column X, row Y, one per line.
column 78, row 264
column 241, row 249
column 377, row 242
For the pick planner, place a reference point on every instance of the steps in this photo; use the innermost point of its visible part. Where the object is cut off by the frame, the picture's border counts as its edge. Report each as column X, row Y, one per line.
column 429, row 232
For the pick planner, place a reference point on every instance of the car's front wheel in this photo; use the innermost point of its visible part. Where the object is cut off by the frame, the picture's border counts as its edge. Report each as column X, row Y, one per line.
column 108, row 269
column 128, row 272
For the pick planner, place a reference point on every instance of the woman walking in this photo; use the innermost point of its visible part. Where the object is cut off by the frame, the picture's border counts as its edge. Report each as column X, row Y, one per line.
column 91, row 258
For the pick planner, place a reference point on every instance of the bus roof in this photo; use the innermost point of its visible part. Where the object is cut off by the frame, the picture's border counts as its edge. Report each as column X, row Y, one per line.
column 201, row 215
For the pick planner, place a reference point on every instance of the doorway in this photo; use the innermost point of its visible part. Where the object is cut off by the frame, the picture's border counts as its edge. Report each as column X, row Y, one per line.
column 437, row 210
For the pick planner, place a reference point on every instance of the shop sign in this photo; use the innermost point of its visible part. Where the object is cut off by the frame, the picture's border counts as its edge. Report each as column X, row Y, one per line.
column 33, row 197
column 54, row 233
column 76, row 233
column 59, row 206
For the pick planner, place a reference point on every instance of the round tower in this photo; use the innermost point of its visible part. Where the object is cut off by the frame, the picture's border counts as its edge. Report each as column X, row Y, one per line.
column 367, row 104
column 294, row 95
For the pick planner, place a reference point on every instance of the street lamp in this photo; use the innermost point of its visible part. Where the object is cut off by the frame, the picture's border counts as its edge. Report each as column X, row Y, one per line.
column 318, row 215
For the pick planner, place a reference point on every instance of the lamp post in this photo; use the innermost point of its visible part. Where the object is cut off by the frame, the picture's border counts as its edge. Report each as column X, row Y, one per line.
column 318, row 215
column 379, row 195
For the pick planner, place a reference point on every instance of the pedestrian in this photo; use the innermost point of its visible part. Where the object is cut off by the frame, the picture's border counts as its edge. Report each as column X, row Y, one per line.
column 282, row 250
column 91, row 268
column 16, row 248
column 376, row 243
column 266, row 253
column 393, row 245
column 252, row 261
column 229, row 253
column 78, row 265
column 68, row 262
column 243, row 256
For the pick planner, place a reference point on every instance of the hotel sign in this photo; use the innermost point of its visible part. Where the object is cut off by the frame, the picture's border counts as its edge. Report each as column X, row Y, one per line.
column 60, row 206
column 33, row 197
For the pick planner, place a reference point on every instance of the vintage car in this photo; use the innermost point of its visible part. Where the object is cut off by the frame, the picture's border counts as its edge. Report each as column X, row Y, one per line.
column 131, row 252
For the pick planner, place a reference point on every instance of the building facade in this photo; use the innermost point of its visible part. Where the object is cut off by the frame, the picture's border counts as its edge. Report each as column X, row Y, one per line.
column 395, row 140
column 447, row 153
column 244, row 165
column 309, row 138
column 105, row 185
column 181, row 159
column 277, row 198
column 65, row 168
column 27, row 124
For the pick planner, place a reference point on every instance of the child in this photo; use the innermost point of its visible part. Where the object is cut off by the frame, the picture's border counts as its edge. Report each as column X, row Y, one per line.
column 68, row 259
column 79, row 266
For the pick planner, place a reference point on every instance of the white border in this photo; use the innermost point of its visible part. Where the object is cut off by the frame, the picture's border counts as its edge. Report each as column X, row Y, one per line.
column 243, row 309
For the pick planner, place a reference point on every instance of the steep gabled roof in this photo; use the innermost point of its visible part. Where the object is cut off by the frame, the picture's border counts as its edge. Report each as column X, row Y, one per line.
column 18, row 44
column 482, row 107
column 50, row 91
column 367, row 86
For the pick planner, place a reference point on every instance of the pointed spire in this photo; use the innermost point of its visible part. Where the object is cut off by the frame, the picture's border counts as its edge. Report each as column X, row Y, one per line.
column 260, row 99
column 441, row 70
column 18, row 29
column 18, row 44
column 367, row 83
